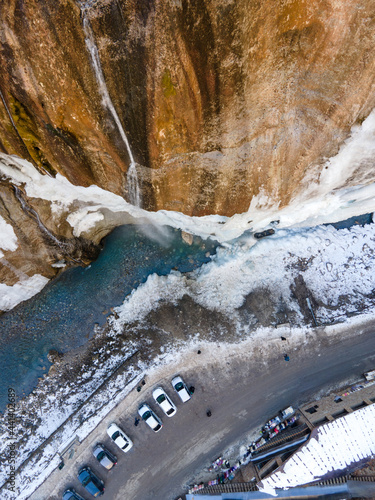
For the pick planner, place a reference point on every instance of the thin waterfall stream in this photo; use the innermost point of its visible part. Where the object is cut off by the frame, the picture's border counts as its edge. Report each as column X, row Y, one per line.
column 132, row 175
column 27, row 209
column 133, row 186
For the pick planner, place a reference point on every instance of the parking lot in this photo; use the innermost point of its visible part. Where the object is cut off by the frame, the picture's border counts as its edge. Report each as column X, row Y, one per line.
column 144, row 439
column 119, row 441
column 237, row 385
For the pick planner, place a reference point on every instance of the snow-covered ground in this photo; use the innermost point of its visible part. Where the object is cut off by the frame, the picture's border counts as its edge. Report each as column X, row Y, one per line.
column 24, row 289
column 333, row 446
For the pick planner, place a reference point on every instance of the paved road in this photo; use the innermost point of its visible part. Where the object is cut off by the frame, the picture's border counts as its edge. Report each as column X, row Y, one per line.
column 242, row 394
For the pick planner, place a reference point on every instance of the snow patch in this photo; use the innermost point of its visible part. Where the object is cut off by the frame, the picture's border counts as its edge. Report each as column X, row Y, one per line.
column 148, row 297
column 8, row 239
column 24, row 289
column 81, row 222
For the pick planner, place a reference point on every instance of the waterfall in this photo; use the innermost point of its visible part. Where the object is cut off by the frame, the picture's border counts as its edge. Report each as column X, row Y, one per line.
column 133, row 186
column 132, row 176
column 26, row 208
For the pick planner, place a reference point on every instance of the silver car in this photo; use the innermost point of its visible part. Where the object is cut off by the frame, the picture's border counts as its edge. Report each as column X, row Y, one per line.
column 104, row 457
column 150, row 418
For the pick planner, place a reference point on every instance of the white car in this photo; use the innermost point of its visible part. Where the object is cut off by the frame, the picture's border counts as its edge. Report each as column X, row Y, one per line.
column 119, row 437
column 150, row 418
column 164, row 402
column 181, row 388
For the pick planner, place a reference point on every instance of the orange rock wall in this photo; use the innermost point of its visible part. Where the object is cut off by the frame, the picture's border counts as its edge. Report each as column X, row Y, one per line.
column 219, row 99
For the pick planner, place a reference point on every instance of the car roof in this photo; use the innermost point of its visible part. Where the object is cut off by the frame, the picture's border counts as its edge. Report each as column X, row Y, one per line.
column 106, row 460
column 183, row 392
column 159, row 390
column 144, row 407
column 166, row 403
column 153, row 420
column 91, row 486
column 98, row 448
column 120, row 438
column 112, row 428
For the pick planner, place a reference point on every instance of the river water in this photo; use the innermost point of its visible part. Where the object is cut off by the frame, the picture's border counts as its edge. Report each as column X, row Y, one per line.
column 63, row 315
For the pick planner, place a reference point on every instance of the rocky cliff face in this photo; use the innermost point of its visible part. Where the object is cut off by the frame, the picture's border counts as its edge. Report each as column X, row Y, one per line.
column 218, row 99
column 202, row 105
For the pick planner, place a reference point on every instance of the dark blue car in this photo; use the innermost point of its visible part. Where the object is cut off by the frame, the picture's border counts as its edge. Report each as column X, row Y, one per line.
column 91, row 482
column 71, row 494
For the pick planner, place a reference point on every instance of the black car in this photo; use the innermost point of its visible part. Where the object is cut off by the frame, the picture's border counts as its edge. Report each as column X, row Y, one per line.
column 263, row 234
column 71, row 494
column 91, row 482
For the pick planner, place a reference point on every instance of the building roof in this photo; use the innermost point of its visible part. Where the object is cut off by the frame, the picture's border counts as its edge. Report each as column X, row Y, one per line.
column 332, row 446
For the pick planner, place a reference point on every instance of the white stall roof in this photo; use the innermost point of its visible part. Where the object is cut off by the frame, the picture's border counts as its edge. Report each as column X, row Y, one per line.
column 332, row 446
